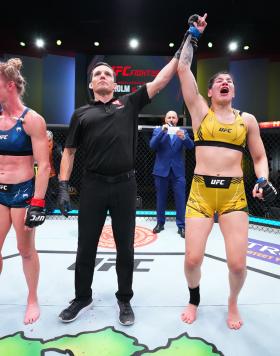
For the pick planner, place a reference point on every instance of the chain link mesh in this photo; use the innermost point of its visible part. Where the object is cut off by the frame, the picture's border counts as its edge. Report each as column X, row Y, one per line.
column 146, row 189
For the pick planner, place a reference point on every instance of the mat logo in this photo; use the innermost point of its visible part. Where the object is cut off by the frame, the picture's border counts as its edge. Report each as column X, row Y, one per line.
column 4, row 137
column 265, row 251
column 142, row 237
column 106, row 264
column 106, row 341
column 217, row 181
column 3, row 187
column 18, row 129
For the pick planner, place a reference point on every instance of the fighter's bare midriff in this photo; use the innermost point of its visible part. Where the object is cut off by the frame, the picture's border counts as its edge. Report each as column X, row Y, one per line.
column 218, row 161
column 16, row 169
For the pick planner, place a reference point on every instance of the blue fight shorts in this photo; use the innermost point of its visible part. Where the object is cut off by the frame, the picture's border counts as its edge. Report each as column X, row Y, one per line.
column 16, row 195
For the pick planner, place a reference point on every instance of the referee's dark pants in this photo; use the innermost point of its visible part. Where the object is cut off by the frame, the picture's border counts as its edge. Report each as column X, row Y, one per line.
column 98, row 195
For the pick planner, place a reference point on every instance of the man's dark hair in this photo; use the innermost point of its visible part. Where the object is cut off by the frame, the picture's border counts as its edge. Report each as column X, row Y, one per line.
column 215, row 76
column 103, row 64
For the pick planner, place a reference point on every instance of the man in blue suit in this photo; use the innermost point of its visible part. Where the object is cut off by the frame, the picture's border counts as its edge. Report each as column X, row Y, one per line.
column 168, row 141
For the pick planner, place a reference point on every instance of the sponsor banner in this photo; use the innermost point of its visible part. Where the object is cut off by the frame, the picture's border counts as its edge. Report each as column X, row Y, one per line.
column 265, row 251
column 133, row 71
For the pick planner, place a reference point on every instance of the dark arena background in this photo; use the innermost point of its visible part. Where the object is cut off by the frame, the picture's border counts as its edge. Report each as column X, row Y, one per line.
column 59, row 43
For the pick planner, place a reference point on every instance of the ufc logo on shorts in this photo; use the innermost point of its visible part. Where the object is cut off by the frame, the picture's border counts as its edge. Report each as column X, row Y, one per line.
column 37, row 218
column 3, row 137
column 3, row 187
column 218, row 181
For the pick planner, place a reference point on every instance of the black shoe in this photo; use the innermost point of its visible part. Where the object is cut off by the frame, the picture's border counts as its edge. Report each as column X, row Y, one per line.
column 181, row 232
column 158, row 228
column 75, row 309
column 126, row 315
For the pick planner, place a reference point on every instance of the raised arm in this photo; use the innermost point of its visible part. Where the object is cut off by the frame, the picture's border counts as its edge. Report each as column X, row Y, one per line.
column 196, row 104
column 163, row 78
column 165, row 75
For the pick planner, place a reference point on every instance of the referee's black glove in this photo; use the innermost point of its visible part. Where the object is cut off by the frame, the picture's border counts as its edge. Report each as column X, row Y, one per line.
column 63, row 199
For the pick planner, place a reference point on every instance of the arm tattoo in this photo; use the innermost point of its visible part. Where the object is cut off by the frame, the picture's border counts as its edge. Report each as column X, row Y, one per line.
column 187, row 53
column 186, row 60
column 195, row 87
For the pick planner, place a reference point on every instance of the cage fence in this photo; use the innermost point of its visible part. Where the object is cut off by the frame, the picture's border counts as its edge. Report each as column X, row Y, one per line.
column 262, row 216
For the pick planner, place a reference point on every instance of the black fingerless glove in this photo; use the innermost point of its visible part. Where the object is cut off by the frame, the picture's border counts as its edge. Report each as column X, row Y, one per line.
column 193, row 32
column 36, row 214
column 63, row 200
column 269, row 192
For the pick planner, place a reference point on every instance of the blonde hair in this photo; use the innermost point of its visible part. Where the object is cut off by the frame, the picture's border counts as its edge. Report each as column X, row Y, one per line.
column 10, row 71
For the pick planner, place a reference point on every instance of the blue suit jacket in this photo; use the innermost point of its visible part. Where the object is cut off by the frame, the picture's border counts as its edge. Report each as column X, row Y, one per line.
column 169, row 154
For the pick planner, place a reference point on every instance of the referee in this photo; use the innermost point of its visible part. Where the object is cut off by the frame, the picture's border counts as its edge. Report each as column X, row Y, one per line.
column 106, row 130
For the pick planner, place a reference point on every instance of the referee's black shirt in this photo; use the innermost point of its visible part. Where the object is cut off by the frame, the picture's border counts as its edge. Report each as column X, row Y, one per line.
column 107, row 133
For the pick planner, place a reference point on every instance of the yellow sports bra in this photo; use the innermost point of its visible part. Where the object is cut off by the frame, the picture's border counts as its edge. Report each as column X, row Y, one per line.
column 212, row 132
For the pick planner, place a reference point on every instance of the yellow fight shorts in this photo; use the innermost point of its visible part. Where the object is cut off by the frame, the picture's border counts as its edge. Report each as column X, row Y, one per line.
column 210, row 195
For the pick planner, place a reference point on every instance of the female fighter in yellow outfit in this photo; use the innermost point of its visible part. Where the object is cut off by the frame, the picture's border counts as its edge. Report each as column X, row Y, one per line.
column 221, row 134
